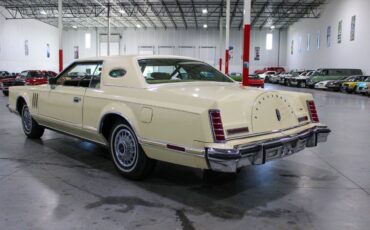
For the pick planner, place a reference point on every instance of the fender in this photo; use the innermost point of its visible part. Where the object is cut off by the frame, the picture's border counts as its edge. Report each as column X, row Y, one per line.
column 25, row 96
column 122, row 110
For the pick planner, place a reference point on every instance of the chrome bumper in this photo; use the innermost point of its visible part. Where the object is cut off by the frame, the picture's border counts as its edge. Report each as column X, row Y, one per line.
column 229, row 160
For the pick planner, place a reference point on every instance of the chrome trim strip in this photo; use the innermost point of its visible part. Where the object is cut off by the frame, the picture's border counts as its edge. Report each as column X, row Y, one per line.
column 193, row 151
column 266, row 133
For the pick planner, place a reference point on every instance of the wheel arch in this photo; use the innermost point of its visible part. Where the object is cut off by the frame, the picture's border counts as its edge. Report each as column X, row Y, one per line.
column 19, row 103
column 110, row 116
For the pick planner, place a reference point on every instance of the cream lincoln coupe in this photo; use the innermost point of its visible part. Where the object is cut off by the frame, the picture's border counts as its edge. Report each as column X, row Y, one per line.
column 169, row 108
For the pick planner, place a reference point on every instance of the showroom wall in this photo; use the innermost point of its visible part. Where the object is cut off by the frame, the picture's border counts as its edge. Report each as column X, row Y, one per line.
column 337, row 54
column 202, row 44
column 14, row 34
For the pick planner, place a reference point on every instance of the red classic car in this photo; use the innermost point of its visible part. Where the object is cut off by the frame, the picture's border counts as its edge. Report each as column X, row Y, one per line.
column 28, row 77
column 277, row 69
column 256, row 81
column 5, row 81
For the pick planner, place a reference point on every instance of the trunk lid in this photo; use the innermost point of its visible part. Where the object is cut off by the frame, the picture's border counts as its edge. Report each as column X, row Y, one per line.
column 245, row 109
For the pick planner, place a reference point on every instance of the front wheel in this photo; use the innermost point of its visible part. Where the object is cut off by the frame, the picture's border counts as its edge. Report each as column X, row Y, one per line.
column 128, row 156
column 30, row 126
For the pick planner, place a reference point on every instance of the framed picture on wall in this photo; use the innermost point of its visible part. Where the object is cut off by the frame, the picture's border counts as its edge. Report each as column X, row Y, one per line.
column 47, row 50
column 292, row 48
column 340, row 31
column 26, row 51
column 353, row 28
column 257, row 50
column 328, row 36
column 76, row 52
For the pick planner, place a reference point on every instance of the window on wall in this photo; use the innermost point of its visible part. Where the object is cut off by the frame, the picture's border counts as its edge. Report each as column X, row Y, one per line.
column 308, row 42
column 318, row 39
column 269, row 38
column 87, row 40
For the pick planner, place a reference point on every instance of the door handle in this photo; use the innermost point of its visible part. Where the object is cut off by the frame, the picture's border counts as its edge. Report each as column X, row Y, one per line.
column 76, row 99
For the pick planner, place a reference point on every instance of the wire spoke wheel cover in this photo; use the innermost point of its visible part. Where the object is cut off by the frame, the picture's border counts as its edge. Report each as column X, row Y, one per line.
column 27, row 120
column 125, row 148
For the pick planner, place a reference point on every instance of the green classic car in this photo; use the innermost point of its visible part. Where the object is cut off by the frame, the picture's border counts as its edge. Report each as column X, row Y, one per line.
column 331, row 74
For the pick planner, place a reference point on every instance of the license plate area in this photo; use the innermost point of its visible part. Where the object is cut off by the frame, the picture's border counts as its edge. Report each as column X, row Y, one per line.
column 285, row 149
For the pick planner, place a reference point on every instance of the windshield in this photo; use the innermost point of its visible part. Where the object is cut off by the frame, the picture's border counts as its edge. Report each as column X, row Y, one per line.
column 34, row 74
column 158, row 71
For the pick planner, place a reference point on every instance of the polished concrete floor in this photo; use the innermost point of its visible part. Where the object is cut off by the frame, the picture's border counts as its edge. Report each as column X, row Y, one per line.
column 60, row 182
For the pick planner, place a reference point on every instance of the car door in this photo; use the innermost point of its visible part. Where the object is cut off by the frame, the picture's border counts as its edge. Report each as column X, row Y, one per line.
column 65, row 99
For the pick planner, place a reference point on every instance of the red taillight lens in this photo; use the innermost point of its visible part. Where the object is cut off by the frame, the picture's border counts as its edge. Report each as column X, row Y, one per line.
column 216, row 126
column 312, row 110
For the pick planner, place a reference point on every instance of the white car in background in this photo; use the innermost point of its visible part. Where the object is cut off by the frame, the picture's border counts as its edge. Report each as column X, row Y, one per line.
column 321, row 85
column 267, row 74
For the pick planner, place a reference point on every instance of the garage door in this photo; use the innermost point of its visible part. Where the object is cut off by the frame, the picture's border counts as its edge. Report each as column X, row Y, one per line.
column 188, row 51
column 208, row 54
column 145, row 50
column 114, row 44
column 166, row 50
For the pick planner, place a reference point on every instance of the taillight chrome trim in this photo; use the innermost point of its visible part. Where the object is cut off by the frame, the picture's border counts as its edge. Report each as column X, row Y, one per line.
column 311, row 107
column 217, row 133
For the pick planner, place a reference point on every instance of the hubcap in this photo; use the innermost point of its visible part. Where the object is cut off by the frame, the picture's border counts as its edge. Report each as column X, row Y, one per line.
column 27, row 119
column 125, row 148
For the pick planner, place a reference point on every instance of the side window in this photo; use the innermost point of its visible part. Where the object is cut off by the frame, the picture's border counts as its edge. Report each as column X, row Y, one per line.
column 117, row 73
column 80, row 74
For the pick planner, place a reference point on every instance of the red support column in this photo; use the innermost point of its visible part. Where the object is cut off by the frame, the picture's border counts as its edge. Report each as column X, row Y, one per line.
column 227, row 62
column 220, row 64
column 246, row 50
column 60, row 60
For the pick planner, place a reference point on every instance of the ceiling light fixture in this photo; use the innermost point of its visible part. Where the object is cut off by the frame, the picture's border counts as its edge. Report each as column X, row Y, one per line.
column 122, row 11
column 138, row 26
column 204, row 11
column 43, row 12
column 272, row 27
column 74, row 27
column 205, row 26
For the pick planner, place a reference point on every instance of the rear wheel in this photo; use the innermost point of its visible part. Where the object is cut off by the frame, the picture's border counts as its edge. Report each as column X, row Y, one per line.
column 128, row 157
column 6, row 93
column 30, row 127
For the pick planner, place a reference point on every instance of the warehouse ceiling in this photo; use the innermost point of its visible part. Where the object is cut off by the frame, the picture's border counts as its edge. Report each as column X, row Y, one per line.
column 161, row 14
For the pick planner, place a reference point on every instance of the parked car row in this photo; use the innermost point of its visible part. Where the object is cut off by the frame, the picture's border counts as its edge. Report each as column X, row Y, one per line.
column 253, row 80
column 345, row 80
column 28, row 77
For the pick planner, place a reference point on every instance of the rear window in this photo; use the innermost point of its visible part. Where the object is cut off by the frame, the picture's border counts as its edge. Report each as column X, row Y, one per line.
column 156, row 71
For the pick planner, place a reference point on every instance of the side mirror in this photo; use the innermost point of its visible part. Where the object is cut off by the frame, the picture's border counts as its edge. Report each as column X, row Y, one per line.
column 52, row 81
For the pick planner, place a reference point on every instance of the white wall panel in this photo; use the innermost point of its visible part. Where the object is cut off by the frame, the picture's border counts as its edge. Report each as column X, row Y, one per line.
column 131, row 39
column 13, row 34
column 348, row 54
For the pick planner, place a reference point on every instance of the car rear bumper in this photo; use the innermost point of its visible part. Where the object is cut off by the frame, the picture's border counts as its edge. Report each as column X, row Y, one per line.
column 362, row 90
column 320, row 86
column 229, row 160
column 333, row 87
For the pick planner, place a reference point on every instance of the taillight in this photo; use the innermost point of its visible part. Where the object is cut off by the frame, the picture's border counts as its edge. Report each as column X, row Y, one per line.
column 216, row 125
column 312, row 110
